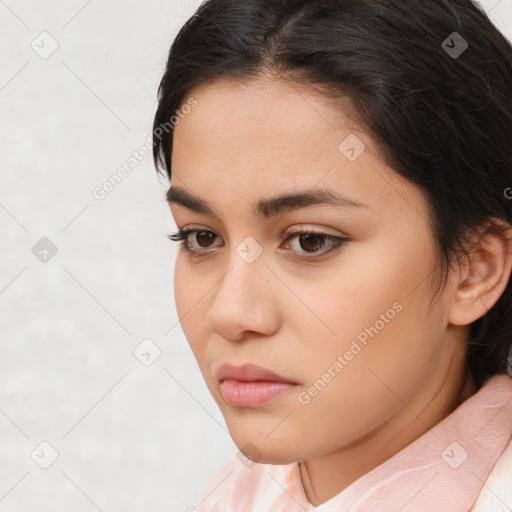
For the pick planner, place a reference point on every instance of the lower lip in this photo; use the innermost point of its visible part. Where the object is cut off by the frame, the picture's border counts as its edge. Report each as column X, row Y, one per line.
column 254, row 393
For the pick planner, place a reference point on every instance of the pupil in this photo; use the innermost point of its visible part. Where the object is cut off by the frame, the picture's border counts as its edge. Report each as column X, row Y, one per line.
column 310, row 239
column 203, row 236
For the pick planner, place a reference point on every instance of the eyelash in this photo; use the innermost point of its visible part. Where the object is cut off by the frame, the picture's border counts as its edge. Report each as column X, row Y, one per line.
column 338, row 242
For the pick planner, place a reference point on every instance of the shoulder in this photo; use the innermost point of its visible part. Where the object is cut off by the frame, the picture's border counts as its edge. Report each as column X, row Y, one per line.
column 496, row 493
column 242, row 484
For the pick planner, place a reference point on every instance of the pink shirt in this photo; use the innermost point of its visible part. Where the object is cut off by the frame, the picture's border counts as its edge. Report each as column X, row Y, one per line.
column 443, row 470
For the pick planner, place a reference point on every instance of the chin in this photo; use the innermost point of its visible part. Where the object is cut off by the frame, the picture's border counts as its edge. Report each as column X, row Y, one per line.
column 266, row 450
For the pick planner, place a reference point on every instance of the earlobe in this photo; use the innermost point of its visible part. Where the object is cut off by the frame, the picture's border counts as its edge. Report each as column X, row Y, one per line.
column 485, row 275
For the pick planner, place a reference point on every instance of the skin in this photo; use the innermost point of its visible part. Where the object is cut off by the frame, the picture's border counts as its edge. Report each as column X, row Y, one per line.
column 245, row 141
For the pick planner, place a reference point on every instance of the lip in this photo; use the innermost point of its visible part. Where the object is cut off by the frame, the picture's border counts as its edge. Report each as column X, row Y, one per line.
column 250, row 385
column 248, row 372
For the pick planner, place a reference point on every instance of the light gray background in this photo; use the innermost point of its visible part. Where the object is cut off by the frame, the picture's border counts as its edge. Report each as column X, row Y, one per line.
column 129, row 437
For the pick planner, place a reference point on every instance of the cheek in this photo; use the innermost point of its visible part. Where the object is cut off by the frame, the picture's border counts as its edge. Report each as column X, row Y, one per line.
column 181, row 291
column 345, row 398
column 381, row 290
column 362, row 300
column 376, row 328
column 187, row 295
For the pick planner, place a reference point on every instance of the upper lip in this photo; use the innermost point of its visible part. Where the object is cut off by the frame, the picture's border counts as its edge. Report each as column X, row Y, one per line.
column 248, row 372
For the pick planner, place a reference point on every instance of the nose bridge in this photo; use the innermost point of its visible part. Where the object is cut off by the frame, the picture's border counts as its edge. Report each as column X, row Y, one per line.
column 245, row 270
column 240, row 300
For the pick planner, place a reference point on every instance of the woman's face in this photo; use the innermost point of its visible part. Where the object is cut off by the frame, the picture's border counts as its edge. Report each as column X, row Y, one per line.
column 349, row 328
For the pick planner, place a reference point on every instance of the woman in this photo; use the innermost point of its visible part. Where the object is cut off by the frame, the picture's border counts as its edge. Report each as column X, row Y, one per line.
column 340, row 177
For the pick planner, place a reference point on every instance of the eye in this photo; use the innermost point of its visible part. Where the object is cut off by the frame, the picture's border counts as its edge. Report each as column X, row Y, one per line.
column 313, row 242
column 203, row 236
column 309, row 241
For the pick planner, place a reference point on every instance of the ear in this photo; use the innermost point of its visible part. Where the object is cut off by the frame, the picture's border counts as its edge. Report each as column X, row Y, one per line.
column 485, row 276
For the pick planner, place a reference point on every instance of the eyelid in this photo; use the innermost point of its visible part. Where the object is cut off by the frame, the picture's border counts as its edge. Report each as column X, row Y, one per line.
column 320, row 230
column 301, row 229
column 317, row 229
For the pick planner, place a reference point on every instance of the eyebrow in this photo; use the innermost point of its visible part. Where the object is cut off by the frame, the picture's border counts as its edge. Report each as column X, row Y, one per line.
column 268, row 207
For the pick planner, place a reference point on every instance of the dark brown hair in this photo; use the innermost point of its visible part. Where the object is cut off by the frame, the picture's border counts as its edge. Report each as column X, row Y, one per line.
column 440, row 112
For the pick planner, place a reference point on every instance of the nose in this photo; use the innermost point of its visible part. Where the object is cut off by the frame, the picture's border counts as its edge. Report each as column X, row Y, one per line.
column 244, row 301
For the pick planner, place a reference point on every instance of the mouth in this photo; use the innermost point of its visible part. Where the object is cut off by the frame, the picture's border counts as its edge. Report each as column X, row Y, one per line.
column 250, row 385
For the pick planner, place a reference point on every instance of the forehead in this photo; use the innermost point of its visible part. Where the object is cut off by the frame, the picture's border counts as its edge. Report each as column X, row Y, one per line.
column 266, row 108
column 250, row 139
